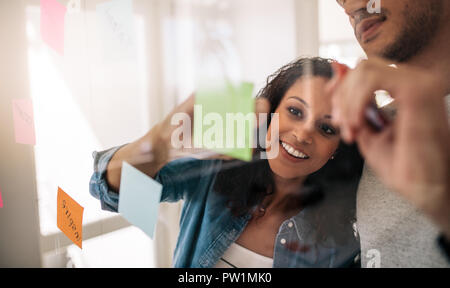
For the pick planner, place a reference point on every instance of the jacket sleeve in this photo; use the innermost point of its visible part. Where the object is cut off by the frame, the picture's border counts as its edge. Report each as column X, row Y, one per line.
column 180, row 178
column 98, row 186
column 183, row 177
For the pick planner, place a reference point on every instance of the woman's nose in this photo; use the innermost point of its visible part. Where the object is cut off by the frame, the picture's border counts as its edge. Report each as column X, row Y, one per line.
column 303, row 135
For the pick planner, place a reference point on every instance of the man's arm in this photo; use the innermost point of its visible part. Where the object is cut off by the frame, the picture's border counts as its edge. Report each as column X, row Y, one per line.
column 411, row 155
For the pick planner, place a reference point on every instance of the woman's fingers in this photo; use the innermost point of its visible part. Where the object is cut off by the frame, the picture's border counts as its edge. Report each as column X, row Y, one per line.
column 262, row 105
column 183, row 113
column 187, row 106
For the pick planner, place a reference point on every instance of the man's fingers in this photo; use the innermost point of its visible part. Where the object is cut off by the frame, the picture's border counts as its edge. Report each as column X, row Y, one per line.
column 339, row 69
column 355, row 94
column 376, row 148
column 339, row 72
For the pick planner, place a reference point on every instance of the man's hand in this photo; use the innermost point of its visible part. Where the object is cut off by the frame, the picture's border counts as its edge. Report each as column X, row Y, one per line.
column 412, row 154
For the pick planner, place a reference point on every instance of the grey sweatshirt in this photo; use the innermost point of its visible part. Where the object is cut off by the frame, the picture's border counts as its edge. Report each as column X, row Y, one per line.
column 393, row 233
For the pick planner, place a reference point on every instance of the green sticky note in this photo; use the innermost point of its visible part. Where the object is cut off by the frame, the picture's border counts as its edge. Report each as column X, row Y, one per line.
column 224, row 119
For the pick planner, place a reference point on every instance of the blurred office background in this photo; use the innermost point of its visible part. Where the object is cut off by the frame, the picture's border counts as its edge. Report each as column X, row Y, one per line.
column 93, row 97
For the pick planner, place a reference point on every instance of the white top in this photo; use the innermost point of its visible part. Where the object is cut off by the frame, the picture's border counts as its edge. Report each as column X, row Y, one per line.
column 239, row 257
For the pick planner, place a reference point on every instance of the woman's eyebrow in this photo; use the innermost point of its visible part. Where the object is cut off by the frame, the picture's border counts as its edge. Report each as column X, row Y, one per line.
column 300, row 99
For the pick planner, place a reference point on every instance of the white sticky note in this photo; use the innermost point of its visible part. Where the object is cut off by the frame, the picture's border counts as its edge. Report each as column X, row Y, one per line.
column 139, row 199
column 115, row 28
column 74, row 6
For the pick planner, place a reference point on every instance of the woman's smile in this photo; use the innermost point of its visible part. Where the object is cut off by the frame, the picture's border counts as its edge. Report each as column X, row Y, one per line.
column 293, row 154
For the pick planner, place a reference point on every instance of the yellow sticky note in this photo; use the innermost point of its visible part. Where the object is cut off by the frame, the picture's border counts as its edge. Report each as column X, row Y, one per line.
column 70, row 217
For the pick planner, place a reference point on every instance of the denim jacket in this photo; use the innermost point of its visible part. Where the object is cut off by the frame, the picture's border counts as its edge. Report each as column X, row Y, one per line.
column 207, row 227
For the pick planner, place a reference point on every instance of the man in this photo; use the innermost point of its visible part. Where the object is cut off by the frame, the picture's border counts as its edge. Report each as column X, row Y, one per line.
column 411, row 156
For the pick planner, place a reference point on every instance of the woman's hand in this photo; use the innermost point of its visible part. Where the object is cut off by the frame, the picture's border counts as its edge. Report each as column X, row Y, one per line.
column 152, row 151
column 161, row 145
column 183, row 146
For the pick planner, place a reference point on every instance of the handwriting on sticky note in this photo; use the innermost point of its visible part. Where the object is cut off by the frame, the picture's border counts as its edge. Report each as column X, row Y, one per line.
column 74, row 6
column 115, row 24
column 117, row 28
column 23, row 121
column 52, row 24
column 139, row 198
column 119, row 17
column 70, row 217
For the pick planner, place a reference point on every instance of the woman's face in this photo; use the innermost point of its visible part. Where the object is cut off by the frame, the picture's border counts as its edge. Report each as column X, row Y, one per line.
column 307, row 137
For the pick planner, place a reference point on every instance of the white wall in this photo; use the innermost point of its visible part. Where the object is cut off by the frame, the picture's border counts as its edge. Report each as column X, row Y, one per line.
column 19, row 220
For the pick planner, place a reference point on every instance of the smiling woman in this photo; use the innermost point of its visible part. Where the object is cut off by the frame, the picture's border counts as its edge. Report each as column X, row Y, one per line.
column 305, row 128
column 230, row 204
column 289, row 185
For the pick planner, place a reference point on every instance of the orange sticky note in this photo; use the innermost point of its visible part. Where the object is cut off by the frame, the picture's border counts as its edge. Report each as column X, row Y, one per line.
column 52, row 24
column 23, row 121
column 70, row 217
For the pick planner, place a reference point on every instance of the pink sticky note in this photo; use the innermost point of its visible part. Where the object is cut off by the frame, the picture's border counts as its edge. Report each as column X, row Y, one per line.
column 52, row 24
column 1, row 201
column 24, row 121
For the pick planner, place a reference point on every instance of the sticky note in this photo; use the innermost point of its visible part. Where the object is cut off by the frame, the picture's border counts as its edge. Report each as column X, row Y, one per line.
column 139, row 199
column 74, row 6
column 115, row 28
column 1, row 200
column 70, row 217
column 23, row 121
column 224, row 119
column 52, row 24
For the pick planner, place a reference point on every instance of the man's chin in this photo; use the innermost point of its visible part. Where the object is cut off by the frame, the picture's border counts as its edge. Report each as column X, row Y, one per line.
column 375, row 48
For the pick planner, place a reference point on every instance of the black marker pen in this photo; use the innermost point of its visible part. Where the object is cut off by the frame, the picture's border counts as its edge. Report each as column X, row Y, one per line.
column 375, row 118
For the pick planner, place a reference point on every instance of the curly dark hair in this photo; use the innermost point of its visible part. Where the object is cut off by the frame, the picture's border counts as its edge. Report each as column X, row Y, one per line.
column 247, row 184
column 279, row 83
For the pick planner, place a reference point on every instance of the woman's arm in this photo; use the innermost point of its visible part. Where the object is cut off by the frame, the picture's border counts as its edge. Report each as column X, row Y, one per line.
column 149, row 153
column 140, row 155
column 153, row 151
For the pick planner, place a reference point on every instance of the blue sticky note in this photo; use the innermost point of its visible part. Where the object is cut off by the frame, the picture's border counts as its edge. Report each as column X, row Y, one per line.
column 139, row 199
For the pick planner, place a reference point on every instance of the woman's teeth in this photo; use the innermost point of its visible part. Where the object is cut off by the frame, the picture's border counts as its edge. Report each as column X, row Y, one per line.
column 297, row 154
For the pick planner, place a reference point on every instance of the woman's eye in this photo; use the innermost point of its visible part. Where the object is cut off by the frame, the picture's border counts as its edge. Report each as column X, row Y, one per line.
column 328, row 129
column 295, row 111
